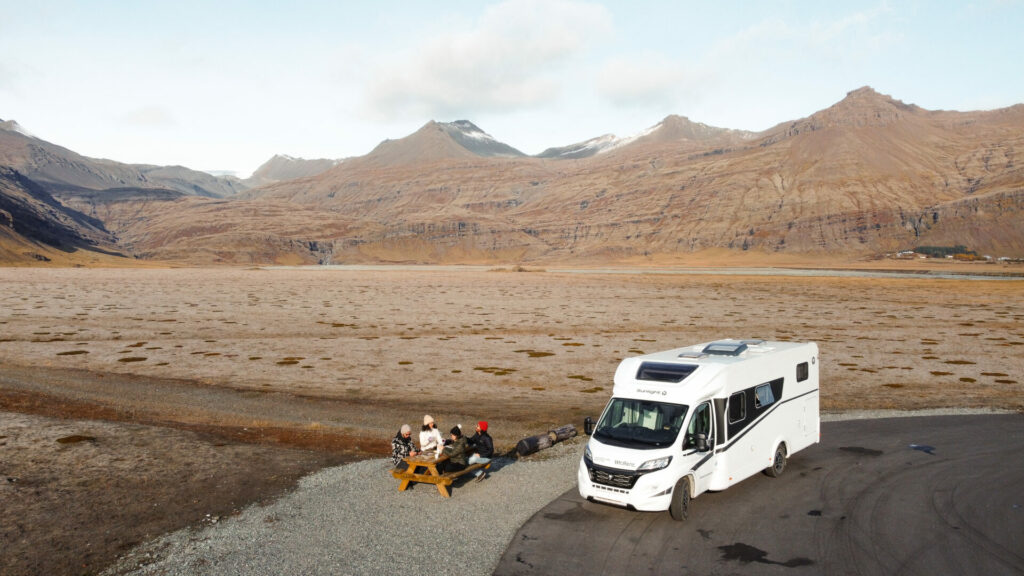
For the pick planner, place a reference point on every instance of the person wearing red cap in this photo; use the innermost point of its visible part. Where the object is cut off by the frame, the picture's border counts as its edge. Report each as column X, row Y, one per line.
column 483, row 449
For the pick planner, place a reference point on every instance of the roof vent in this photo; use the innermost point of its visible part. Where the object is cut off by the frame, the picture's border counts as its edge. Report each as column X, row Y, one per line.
column 753, row 341
column 692, row 354
column 664, row 372
column 725, row 348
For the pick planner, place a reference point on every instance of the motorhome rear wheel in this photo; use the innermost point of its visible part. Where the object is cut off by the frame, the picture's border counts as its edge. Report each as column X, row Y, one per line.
column 778, row 464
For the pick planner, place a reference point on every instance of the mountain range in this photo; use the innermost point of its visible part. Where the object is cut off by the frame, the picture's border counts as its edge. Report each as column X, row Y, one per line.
column 866, row 176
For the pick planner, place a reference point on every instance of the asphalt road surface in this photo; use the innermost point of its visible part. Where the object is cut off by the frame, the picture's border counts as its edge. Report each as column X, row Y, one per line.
column 907, row 496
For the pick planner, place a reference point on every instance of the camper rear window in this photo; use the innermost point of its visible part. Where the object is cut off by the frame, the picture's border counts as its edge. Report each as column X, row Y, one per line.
column 664, row 372
column 802, row 372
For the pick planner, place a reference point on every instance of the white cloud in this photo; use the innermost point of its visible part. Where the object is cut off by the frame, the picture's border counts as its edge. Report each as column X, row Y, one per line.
column 148, row 117
column 512, row 58
column 648, row 80
column 7, row 79
column 747, row 79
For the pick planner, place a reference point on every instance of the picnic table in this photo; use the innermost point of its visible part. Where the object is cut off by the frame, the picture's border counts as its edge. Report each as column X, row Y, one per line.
column 430, row 475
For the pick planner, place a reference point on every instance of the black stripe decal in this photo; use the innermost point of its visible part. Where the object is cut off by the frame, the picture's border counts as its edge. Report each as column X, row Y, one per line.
column 732, row 441
column 703, row 460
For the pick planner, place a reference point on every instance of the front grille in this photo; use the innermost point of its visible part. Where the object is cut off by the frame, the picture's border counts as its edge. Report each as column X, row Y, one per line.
column 611, row 476
column 621, row 480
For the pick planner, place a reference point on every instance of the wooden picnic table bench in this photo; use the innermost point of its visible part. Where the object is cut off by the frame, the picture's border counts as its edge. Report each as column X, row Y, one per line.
column 431, row 474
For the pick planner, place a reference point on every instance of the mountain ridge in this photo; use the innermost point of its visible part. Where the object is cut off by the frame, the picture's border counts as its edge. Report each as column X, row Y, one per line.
column 283, row 167
column 865, row 176
column 58, row 169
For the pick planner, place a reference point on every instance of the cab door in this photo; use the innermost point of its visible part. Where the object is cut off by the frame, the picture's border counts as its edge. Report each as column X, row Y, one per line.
column 699, row 445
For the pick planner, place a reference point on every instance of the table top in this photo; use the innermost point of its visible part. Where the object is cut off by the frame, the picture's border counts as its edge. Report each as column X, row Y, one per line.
column 427, row 458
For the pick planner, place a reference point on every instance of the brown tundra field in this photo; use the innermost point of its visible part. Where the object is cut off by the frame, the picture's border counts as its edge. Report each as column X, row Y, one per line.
column 138, row 401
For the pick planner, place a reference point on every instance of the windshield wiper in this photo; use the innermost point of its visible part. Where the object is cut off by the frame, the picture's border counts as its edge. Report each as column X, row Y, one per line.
column 626, row 439
column 604, row 433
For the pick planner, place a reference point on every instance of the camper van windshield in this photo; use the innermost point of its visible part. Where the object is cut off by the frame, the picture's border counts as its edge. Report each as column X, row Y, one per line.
column 640, row 423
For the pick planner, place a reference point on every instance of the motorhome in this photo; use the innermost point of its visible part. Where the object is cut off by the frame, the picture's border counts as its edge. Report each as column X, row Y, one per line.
column 688, row 420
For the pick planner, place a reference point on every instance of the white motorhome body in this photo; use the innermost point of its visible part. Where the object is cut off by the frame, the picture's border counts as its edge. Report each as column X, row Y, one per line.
column 704, row 417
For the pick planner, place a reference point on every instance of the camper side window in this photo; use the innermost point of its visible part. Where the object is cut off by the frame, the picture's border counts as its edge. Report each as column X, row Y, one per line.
column 802, row 373
column 737, row 407
column 763, row 396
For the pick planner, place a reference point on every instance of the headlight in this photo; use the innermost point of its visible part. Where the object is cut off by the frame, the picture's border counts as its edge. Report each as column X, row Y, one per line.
column 656, row 464
column 587, row 454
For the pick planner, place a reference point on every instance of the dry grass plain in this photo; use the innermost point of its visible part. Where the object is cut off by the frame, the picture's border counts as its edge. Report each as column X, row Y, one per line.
column 183, row 373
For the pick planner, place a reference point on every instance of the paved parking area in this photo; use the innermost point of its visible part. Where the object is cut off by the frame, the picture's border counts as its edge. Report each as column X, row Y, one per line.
column 922, row 495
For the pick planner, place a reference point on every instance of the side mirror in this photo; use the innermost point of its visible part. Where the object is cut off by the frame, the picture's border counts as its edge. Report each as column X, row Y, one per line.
column 702, row 443
column 588, row 425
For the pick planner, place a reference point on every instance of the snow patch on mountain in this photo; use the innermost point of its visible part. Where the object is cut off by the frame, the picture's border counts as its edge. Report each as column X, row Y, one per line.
column 13, row 126
column 472, row 138
column 594, row 146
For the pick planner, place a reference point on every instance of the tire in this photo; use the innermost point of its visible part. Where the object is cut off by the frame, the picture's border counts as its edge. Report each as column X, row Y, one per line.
column 679, row 509
column 778, row 463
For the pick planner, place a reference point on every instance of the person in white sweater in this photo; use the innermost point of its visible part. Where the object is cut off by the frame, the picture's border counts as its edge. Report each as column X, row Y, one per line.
column 430, row 436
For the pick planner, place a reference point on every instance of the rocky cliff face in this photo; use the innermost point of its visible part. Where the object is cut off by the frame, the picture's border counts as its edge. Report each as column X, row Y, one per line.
column 32, row 221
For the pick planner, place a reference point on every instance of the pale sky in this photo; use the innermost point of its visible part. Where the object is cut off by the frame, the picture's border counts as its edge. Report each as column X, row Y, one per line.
column 225, row 85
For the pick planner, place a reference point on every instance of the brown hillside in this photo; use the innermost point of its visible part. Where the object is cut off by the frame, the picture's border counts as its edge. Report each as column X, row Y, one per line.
column 58, row 169
column 428, row 144
column 866, row 176
column 281, row 168
column 36, row 228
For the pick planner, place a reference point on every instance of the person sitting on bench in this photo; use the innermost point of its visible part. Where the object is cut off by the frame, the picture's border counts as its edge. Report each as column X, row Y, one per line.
column 455, row 449
column 482, row 446
column 402, row 446
column 430, row 436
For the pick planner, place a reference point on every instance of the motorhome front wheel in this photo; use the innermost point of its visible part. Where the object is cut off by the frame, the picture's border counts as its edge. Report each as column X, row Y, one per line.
column 680, row 507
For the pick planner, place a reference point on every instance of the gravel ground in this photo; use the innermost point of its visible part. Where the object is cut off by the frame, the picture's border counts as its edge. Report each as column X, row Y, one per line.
column 351, row 519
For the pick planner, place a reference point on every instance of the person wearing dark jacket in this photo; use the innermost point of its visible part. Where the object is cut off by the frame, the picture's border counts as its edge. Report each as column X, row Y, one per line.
column 482, row 446
column 455, row 449
column 402, row 446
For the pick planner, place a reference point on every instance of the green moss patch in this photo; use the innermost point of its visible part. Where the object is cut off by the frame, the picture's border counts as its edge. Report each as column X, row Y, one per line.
column 75, row 439
column 535, row 353
column 495, row 370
